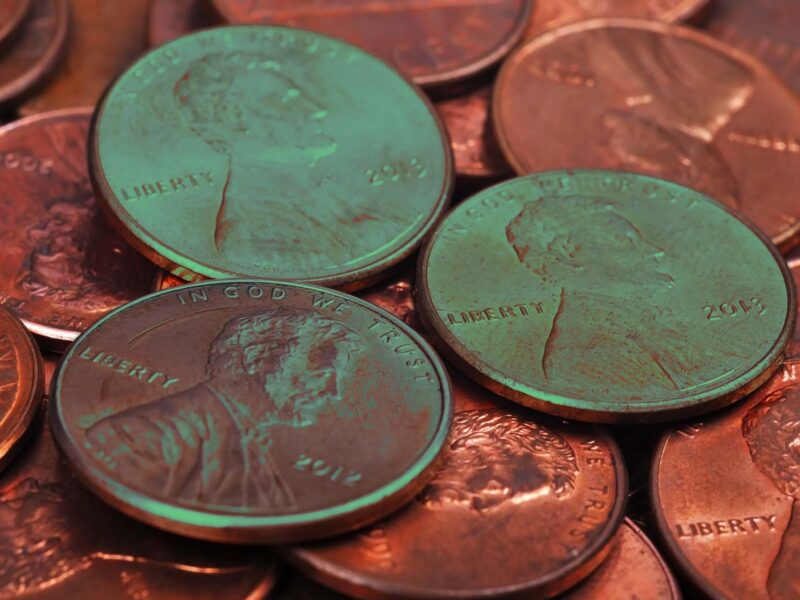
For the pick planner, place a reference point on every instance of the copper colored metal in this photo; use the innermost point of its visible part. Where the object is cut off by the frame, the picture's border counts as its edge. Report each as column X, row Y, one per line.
column 12, row 14
column 35, row 52
column 58, row 541
column 475, row 148
column 50, row 361
column 63, row 267
column 793, row 349
column 436, row 43
column 726, row 494
column 104, row 38
column 768, row 29
column 660, row 100
column 171, row 19
column 20, row 387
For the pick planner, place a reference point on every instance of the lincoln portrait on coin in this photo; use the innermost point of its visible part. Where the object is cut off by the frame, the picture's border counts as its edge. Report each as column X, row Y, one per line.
column 271, row 133
column 495, row 458
column 211, row 443
column 772, row 432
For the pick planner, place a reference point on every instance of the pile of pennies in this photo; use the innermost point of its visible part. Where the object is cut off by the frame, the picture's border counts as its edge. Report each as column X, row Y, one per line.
column 313, row 299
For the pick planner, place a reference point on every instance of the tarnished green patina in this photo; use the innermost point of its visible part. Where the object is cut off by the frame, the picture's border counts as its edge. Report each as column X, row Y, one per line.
column 606, row 296
column 269, row 152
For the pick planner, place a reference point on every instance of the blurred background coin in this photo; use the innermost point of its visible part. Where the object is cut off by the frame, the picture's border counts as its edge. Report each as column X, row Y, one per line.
column 606, row 296
column 171, row 19
column 63, row 266
column 12, row 15
column 271, row 152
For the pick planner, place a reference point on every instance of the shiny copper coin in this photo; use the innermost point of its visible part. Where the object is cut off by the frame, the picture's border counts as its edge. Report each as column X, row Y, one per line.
column 12, row 14
column 35, row 52
column 63, row 266
column 660, row 100
column 726, row 493
column 104, row 38
column 21, row 384
column 550, row 14
column 171, row 19
column 768, row 29
column 475, row 148
column 247, row 410
column 58, row 541
column 433, row 42
column 523, row 504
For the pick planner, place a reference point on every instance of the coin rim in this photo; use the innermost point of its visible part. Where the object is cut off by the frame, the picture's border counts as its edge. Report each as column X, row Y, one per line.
column 784, row 240
column 11, row 27
column 675, row 592
column 683, row 406
column 219, row 525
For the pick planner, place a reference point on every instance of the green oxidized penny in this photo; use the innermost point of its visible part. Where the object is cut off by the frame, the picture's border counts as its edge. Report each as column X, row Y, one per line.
column 269, row 152
column 606, row 296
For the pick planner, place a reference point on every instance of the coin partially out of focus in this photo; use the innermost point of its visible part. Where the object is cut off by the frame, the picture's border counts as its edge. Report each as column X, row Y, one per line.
column 434, row 43
column 270, row 152
column 767, row 29
column 606, row 296
column 35, row 51
column 63, row 266
column 661, row 100
column 58, row 541
column 12, row 15
column 104, row 38
column 726, row 494
column 252, row 411
column 21, row 385
column 171, row 19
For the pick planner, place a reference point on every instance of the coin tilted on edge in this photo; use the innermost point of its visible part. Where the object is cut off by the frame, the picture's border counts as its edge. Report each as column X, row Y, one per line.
column 63, row 266
column 660, row 100
column 270, row 152
column 21, row 384
column 434, row 43
column 522, row 504
column 726, row 494
column 58, row 541
column 606, row 296
column 252, row 411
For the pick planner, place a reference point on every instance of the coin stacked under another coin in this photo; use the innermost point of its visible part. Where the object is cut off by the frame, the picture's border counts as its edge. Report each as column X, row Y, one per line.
column 249, row 349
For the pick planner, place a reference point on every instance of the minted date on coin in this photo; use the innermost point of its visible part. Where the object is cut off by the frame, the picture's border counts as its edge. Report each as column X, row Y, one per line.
column 320, row 468
column 26, row 162
column 396, row 172
column 716, row 312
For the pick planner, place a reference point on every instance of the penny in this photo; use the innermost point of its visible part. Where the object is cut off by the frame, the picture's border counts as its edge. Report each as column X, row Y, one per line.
column 171, row 19
column 50, row 361
column 523, row 504
column 633, row 569
column 252, row 411
column 436, row 43
column 606, row 296
column 725, row 494
column 550, row 14
column 12, row 14
column 766, row 29
column 314, row 176
column 793, row 349
column 475, row 148
column 63, row 267
column 104, row 38
column 36, row 50
column 20, row 384
column 660, row 100
column 58, row 541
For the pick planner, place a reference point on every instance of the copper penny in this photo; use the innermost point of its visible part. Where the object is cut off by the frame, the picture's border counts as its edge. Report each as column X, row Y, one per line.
column 475, row 148
column 104, row 38
column 550, row 14
column 726, row 493
column 50, row 361
column 63, row 267
column 36, row 51
column 12, row 14
column 522, row 504
column 435, row 43
column 21, row 384
column 58, row 541
column 248, row 410
column 171, row 19
column 660, row 100
column 768, row 29
column 793, row 349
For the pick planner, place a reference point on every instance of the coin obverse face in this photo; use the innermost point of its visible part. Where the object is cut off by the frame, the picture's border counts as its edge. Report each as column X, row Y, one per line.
column 606, row 296
column 246, row 411
column 270, row 152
